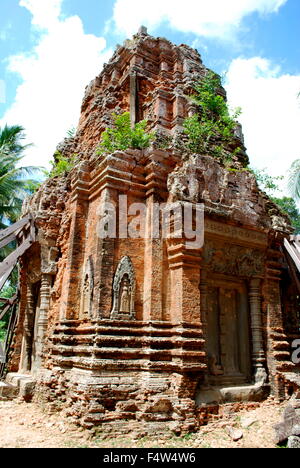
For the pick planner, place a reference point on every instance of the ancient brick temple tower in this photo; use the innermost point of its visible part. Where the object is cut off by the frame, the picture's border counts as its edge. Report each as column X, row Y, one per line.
column 145, row 332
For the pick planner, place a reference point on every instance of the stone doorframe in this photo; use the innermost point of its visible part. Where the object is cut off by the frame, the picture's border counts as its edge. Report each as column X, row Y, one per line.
column 236, row 252
column 257, row 352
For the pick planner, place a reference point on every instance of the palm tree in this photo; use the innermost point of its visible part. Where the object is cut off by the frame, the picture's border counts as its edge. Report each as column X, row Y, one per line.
column 13, row 189
column 14, row 182
column 294, row 180
column 13, row 177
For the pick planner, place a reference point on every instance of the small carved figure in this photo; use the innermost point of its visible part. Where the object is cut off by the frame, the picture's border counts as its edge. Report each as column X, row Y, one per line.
column 125, row 297
column 86, row 296
column 124, row 291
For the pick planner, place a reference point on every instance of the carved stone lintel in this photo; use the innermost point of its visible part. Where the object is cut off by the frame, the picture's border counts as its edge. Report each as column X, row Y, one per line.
column 234, row 260
column 124, row 291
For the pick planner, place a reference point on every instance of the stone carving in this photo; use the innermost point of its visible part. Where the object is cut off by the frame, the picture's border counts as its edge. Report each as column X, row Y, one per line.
column 234, row 260
column 214, row 367
column 124, row 291
column 184, row 186
column 289, row 426
column 125, row 297
column 238, row 233
column 87, row 289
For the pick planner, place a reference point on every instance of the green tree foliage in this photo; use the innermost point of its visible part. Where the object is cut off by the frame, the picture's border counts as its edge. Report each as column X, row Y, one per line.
column 61, row 165
column 266, row 182
column 213, row 127
column 122, row 136
column 288, row 206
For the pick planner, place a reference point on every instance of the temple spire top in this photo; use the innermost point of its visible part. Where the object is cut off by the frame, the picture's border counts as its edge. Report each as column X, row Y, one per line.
column 143, row 31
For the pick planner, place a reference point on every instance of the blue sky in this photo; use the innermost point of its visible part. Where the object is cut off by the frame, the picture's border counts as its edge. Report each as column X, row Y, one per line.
column 51, row 49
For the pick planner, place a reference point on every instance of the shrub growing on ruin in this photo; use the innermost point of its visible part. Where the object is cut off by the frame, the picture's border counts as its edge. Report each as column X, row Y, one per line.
column 213, row 127
column 122, row 136
column 62, row 165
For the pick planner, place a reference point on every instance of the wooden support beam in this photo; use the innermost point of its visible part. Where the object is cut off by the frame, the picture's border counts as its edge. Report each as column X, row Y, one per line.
column 292, row 253
column 14, row 227
column 3, row 299
column 11, row 260
column 11, row 303
column 7, row 240
column 4, row 311
column 293, row 270
column 6, row 275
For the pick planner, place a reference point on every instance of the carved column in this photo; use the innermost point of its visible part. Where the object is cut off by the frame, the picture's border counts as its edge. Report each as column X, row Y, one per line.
column 28, row 328
column 258, row 354
column 43, row 317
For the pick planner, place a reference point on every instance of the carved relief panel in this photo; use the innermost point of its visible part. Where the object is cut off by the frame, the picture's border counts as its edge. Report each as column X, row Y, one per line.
column 230, row 259
column 124, row 291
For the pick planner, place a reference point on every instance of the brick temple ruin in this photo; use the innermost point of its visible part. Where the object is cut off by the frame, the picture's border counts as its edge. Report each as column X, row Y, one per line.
column 123, row 332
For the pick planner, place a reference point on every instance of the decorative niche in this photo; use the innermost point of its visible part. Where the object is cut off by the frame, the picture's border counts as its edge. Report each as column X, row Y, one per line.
column 124, row 291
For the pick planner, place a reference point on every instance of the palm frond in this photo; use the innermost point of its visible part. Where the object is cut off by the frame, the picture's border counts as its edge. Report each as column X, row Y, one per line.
column 14, row 180
column 294, row 180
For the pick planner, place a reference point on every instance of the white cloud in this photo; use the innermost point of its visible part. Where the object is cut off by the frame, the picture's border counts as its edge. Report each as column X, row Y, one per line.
column 271, row 112
column 45, row 13
column 54, row 75
column 210, row 18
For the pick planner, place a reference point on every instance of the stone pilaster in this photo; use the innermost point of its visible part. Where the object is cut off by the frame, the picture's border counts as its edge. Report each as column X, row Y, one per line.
column 203, row 306
column 70, row 303
column 185, row 279
column 156, row 175
column 104, row 263
column 153, row 268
